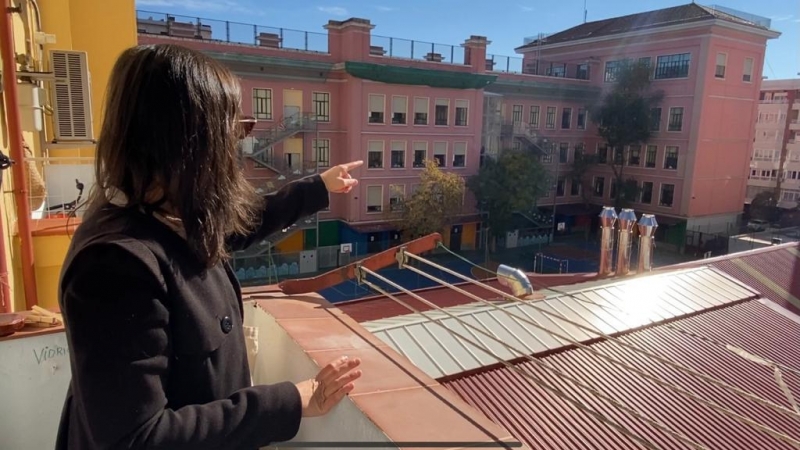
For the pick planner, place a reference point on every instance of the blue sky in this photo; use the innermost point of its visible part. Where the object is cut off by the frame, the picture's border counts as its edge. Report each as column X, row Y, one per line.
column 505, row 22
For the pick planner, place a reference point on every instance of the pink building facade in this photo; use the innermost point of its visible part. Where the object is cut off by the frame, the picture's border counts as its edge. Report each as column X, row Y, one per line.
column 394, row 102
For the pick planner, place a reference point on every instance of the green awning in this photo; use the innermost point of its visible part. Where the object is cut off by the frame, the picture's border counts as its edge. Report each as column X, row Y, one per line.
column 418, row 77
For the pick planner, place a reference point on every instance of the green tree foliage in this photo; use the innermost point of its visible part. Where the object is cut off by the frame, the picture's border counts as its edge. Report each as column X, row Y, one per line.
column 623, row 118
column 765, row 206
column 512, row 182
column 436, row 202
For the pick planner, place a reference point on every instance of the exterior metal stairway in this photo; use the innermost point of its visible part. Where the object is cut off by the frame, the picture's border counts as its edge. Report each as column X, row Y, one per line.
column 287, row 127
column 527, row 136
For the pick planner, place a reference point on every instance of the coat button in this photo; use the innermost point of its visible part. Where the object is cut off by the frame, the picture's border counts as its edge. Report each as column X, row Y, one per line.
column 227, row 324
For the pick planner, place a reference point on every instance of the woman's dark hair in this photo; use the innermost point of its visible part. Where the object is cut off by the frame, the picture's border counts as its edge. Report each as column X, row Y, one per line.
column 171, row 126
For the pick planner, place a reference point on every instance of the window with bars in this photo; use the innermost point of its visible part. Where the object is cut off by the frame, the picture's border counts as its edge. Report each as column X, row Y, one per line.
column 647, row 192
column 399, row 110
column 602, row 153
column 516, row 114
column 581, row 118
column 459, row 154
column 566, row 118
column 613, row 68
column 655, row 119
column 322, row 152
column 377, row 108
column 375, row 155
column 442, row 112
column 262, row 104
column 462, row 113
column 671, row 157
column 563, row 152
column 673, row 66
column 582, row 72
column 634, row 155
column 374, row 199
column 440, row 153
column 322, row 106
column 420, row 111
column 619, row 155
column 551, row 117
column 420, row 154
column 667, row 195
column 650, row 156
column 533, row 120
column 396, row 194
column 675, row 119
column 398, row 156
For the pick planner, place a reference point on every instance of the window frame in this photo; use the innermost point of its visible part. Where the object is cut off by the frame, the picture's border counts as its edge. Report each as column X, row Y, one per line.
column 466, row 113
column 382, row 119
column 443, row 162
column 594, row 186
column 641, row 193
column 269, row 103
column 666, row 156
column 669, row 119
column 427, row 111
column 568, row 111
column 717, row 65
column 404, row 113
column 421, row 164
column 455, row 148
column 748, row 77
column 366, row 202
column 678, row 66
column 316, row 151
column 370, row 151
column 436, row 114
column 551, row 125
column 661, row 195
column 535, row 111
column 392, row 153
column 325, row 118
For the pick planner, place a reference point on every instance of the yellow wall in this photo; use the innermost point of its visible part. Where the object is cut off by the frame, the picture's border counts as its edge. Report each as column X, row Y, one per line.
column 291, row 244
column 468, row 236
column 103, row 29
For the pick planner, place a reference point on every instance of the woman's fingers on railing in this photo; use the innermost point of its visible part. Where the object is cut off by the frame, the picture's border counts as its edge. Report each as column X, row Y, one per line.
column 320, row 394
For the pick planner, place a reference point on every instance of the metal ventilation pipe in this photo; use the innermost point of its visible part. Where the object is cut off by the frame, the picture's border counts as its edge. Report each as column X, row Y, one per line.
column 514, row 279
column 607, row 219
column 647, row 230
column 627, row 219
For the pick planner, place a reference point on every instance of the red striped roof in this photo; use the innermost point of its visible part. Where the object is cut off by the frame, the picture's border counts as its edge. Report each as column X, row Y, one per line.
column 543, row 421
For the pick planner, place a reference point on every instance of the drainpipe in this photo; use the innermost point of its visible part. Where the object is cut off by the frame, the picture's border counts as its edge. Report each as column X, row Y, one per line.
column 607, row 219
column 17, row 154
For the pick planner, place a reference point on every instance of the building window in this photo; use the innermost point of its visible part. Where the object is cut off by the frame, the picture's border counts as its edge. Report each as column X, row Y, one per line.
column 399, row 110
column 579, row 149
column 322, row 152
column 722, row 61
column 582, row 72
column 747, row 74
column 673, row 66
column 561, row 187
column 375, row 155
column 655, row 119
column 440, row 153
column 647, row 192
column 650, row 157
column 516, row 114
column 634, row 155
column 667, row 194
column 599, row 186
column 613, row 68
column 575, row 187
column 442, row 111
column 420, row 111
column 374, row 199
column 645, row 61
column 563, row 152
column 619, row 155
column 581, row 118
column 671, row 157
column 420, row 154
column 396, row 194
column 376, row 108
column 533, row 120
column 398, row 154
column 262, row 104
column 459, row 154
column 613, row 191
column 559, row 71
column 675, row 119
column 462, row 112
column 602, row 153
column 551, row 117
column 566, row 118
column 322, row 106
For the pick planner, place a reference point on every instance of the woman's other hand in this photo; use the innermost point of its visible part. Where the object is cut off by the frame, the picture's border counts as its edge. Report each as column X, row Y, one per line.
column 321, row 393
column 338, row 179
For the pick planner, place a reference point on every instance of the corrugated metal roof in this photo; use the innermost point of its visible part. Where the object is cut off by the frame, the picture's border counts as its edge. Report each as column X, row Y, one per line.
column 646, row 300
column 543, row 421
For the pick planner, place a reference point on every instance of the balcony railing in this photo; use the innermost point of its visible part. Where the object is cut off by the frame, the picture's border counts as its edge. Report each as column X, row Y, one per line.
column 540, row 67
column 773, row 101
column 391, row 47
column 161, row 24
column 66, row 183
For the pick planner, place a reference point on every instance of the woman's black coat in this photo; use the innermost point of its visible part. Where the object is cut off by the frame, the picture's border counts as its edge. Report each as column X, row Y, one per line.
column 156, row 344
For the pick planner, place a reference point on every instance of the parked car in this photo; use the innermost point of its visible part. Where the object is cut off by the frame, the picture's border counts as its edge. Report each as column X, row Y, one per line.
column 757, row 225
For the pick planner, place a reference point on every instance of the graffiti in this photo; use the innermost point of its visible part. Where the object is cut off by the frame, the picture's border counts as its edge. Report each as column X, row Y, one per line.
column 47, row 353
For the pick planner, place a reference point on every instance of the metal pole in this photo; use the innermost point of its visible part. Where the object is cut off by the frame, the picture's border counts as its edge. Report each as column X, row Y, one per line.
column 555, row 198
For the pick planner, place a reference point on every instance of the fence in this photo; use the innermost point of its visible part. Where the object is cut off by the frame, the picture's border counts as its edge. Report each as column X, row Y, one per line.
column 513, row 64
column 156, row 23
column 419, row 50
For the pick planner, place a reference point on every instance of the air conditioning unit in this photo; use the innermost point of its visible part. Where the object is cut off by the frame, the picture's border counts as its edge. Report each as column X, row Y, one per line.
column 72, row 97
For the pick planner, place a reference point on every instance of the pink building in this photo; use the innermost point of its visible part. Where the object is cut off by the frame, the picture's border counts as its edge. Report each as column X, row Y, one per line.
column 775, row 162
column 323, row 99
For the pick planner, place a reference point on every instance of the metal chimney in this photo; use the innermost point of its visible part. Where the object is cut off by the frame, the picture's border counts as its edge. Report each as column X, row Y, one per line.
column 647, row 230
column 627, row 219
column 607, row 218
column 514, row 279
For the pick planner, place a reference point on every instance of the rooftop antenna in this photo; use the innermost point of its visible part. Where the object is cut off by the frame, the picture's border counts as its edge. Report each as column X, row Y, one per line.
column 585, row 11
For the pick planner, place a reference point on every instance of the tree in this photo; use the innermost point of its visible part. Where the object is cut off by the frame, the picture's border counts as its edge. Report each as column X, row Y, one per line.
column 765, row 206
column 579, row 172
column 624, row 117
column 512, row 182
column 439, row 198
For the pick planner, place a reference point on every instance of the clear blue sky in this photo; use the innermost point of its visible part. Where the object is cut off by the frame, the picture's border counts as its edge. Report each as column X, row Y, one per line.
column 505, row 22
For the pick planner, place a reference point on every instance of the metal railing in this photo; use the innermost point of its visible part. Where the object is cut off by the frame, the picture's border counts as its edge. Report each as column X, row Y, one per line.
column 155, row 23
column 773, row 101
column 539, row 67
column 58, row 186
column 391, row 47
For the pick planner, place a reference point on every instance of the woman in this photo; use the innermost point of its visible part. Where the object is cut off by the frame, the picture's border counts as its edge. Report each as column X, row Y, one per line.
column 153, row 311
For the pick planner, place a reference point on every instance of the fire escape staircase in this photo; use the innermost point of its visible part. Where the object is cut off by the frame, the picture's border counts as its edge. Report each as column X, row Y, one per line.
column 529, row 138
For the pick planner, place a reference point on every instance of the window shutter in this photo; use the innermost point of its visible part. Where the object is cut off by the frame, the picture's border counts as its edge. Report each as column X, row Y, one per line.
column 460, row 148
column 374, row 195
column 71, row 96
column 420, row 105
column 399, row 104
column 376, row 103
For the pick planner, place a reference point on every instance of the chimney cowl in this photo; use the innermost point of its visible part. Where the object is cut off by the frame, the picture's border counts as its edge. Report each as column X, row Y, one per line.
column 607, row 217
column 626, row 219
column 514, row 279
column 647, row 225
